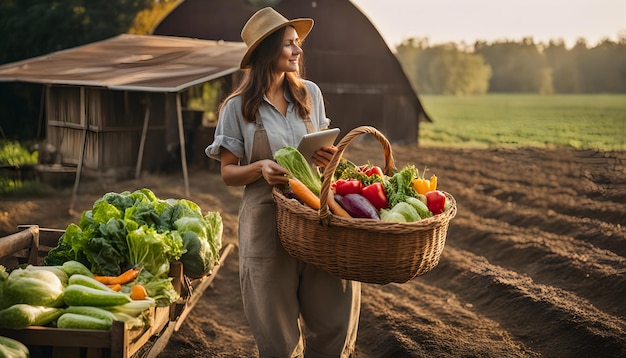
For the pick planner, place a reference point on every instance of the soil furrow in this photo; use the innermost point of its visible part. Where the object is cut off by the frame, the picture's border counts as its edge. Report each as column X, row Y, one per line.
column 549, row 259
column 513, row 300
column 408, row 330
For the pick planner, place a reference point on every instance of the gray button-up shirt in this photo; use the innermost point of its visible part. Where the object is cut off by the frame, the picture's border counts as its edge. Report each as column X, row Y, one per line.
column 236, row 134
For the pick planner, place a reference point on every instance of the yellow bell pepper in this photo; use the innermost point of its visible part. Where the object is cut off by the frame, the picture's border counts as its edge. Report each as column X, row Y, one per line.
column 422, row 185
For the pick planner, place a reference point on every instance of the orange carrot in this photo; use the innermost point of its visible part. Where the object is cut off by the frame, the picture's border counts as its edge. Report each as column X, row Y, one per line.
column 138, row 292
column 304, row 193
column 126, row 277
column 116, row 287
column 334, row 206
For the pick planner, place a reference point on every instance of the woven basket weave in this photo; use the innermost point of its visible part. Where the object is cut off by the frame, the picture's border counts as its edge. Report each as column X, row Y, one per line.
column 365, row 250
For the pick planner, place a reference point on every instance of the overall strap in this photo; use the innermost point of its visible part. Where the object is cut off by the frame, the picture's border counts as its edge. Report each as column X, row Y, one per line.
column 261, row 146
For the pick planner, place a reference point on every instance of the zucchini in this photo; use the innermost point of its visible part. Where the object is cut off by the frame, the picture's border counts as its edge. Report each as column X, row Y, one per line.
column 91, row 311
column 79, row 295
column 73, row 267
column 10, row 348
column 81, row 321
column 22, row 315
column 80, row 279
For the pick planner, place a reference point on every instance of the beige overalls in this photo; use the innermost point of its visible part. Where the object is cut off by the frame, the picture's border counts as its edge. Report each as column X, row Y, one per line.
column 281, row 294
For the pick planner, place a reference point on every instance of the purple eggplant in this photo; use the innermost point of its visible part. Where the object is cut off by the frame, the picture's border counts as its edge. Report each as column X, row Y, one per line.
column 357, row 206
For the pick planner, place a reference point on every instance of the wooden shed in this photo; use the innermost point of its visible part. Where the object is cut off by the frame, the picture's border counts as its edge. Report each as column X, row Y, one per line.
column 115, row 105
column 362, row 80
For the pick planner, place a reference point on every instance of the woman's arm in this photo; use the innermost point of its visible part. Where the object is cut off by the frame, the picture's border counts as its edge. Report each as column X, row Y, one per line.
column 234, row 174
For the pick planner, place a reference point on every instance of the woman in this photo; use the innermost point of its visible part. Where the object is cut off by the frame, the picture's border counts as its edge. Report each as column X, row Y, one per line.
column 293, row 309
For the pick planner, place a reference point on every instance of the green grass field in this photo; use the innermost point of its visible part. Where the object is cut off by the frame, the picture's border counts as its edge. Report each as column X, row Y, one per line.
column 576, row 121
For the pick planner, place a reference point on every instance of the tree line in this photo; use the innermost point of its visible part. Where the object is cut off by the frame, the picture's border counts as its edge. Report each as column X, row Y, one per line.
column 514, row 67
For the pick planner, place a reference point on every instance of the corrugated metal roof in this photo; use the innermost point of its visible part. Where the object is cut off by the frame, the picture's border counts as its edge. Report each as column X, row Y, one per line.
column 149, row 63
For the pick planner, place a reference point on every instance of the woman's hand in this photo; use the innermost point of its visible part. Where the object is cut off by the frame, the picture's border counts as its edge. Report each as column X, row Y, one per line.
column 273, row 173
column 323, row 156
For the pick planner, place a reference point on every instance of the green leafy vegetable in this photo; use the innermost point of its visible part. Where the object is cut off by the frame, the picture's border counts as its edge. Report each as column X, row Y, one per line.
column 399, row 187
column 292, row 160
column 128, row 229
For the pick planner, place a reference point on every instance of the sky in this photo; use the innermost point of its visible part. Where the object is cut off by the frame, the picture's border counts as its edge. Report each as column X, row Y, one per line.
column 467, row 21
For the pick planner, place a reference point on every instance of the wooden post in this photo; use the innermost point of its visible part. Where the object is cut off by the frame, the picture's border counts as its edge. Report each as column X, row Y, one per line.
column 142, row 143
column 84, row 123
column 181, row 137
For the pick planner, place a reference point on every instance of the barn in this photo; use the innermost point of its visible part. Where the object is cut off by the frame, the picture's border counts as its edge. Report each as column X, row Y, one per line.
column 362, row 81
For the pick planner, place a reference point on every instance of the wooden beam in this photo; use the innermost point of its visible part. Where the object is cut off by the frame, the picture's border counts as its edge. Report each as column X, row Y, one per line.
column 81, row 158
column 142, row 143
column 181, row 138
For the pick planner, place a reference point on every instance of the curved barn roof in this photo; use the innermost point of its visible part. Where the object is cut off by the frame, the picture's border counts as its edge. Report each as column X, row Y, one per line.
column 362, row 80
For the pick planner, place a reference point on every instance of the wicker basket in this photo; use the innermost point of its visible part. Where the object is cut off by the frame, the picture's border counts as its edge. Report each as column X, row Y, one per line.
column 365, row 250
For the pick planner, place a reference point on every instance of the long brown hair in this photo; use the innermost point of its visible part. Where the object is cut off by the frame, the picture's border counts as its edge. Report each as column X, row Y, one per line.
column 257, row 79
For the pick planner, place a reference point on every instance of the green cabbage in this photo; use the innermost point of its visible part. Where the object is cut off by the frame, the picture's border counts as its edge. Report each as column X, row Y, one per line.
column 407, row 210
column 32, row 287
column 391, row 216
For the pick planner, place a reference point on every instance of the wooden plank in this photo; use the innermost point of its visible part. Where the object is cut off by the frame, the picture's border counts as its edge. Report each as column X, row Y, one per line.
column 24, row 239
column 47, row 236
column 199, row 289
column 46, row 336
column 161, row 342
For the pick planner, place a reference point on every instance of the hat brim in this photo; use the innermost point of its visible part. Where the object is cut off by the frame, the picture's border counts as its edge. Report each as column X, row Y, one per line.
column 303, row 26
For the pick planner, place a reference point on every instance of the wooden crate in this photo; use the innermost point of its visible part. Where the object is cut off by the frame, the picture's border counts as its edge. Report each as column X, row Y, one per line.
column 31, row 244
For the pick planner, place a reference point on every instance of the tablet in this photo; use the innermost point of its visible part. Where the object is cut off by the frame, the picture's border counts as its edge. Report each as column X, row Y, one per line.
column 312, row 142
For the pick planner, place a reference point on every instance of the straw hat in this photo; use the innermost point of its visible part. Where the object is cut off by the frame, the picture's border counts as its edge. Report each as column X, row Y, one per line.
column 263, row 23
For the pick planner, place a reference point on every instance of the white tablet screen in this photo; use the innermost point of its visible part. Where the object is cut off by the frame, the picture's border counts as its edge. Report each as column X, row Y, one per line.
column 312, row 142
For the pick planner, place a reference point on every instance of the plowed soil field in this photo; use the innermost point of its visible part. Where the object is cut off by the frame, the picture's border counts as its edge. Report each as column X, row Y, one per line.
column 534, row 263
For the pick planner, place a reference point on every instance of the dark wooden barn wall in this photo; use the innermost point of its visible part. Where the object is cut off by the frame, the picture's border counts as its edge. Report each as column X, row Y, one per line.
column 362, row 81
column 115, row 121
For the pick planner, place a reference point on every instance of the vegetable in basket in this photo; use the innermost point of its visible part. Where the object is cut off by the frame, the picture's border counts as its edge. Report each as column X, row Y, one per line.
column 348, row 186
column 304, row 193
column 423, row 185
column 407, row 210
column 292, row 160
column 370, row 170
column 421, row 208
column 399, row 186
column 436, row 200
column 375, row 193
column 357, row 206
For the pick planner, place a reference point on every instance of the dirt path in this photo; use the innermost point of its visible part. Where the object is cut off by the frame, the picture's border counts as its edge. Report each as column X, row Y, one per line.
column 534, row 263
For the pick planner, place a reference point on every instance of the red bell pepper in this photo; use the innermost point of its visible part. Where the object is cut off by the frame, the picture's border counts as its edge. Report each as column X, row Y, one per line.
column 436, row 201
column 375, row 193
column 374, row 170
column 348, row 186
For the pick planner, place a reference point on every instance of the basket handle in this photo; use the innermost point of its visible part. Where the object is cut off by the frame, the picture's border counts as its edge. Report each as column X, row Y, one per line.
column 334, row 162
